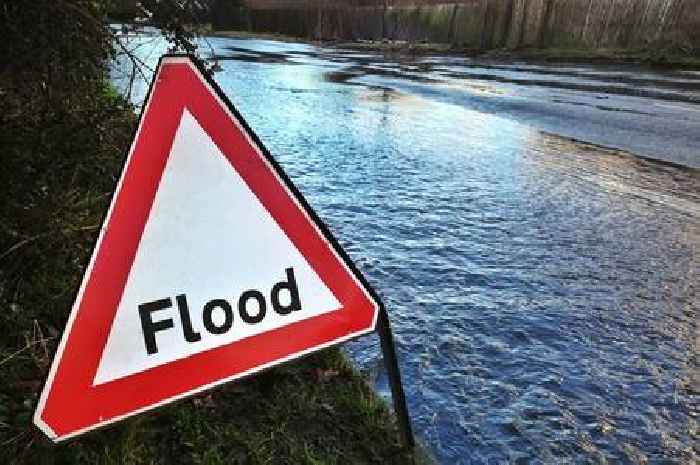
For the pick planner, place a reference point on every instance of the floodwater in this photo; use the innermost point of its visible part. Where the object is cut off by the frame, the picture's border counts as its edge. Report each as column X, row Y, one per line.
column 543, row 291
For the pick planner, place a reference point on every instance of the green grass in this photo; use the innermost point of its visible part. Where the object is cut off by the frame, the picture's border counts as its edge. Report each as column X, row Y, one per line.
column 314, row 411
column 60, row 163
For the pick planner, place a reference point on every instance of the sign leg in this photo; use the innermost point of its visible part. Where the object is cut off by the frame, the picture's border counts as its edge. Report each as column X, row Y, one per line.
column 392, row 368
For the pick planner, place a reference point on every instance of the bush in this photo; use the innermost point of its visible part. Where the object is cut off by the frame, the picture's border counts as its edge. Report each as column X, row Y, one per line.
column 63, row 135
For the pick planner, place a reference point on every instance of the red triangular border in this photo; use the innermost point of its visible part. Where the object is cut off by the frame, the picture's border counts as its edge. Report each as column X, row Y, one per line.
column 69, row 404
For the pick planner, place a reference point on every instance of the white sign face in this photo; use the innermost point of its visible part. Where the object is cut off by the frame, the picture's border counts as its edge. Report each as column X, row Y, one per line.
column 207, row 237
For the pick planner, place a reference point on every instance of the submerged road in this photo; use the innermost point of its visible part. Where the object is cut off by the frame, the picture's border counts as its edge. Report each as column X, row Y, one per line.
column 543, row 290
column 653, row 114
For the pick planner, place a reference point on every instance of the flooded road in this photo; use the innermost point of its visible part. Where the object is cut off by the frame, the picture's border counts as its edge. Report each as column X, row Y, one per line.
column 543, row 291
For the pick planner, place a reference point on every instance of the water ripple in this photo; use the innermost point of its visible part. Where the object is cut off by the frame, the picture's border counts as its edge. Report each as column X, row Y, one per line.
column 542, row 290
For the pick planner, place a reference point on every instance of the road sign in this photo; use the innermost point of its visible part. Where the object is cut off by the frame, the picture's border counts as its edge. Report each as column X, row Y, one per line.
column 209, row 266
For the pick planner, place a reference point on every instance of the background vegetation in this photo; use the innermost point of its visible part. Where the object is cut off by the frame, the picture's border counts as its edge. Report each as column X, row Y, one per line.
column 63, row 135
column 657, row 27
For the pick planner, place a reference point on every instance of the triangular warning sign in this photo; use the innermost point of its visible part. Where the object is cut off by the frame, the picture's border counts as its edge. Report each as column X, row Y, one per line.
column 209, row 266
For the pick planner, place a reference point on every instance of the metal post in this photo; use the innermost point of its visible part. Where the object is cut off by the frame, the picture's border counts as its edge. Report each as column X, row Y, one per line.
column 392, row 369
